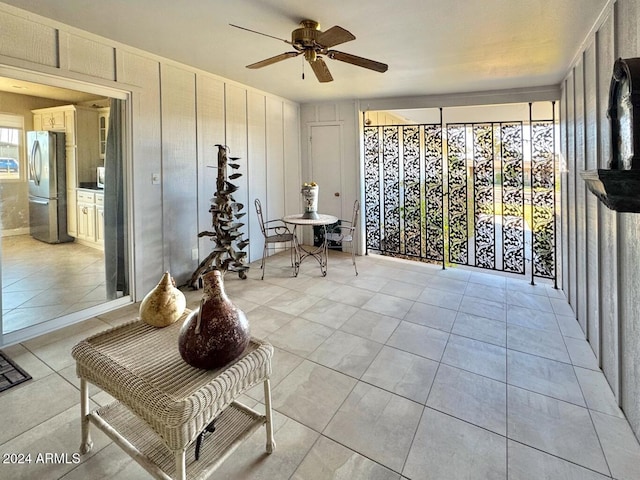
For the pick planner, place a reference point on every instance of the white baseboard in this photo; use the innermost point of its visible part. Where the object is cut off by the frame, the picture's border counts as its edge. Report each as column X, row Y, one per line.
column 15, row 231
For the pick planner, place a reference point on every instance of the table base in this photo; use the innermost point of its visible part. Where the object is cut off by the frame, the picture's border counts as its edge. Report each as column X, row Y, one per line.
column 320, row 253
column 136, row 438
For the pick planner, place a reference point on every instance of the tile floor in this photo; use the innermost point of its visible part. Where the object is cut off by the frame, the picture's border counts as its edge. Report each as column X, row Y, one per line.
column 406, row 371
column 42, row 281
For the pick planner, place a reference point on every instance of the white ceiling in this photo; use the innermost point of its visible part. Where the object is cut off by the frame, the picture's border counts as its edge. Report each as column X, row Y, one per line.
column 431, row 46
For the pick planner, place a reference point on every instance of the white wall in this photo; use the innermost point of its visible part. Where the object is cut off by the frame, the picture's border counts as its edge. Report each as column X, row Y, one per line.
column 178, row 114
column 601, row 248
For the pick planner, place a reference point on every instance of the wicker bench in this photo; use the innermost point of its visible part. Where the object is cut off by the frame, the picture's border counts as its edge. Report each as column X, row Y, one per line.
column 163, row 404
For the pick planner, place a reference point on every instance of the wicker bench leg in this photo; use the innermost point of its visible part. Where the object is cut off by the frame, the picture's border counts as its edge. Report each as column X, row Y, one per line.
column 86, row 445
column 181, row 465
column 271, row 444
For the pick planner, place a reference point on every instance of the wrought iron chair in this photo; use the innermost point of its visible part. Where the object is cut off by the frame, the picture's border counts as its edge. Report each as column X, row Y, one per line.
column 345, row 232
column 273, row 231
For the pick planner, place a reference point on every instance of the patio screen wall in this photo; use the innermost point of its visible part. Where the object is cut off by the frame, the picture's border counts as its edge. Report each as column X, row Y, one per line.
column 476, row 194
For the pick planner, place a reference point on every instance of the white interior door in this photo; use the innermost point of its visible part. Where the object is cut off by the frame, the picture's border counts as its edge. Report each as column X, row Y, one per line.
column 326, row 166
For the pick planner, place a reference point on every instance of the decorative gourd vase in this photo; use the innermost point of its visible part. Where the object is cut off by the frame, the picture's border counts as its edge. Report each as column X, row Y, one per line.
column 310, row 196
column 215, row 333
column 164, row 304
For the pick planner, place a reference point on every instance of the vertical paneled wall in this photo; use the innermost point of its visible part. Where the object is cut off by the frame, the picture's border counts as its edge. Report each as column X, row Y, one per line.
column 627, row 36
column 178, row 115
column 601, row 248
column 179, row 169
column 607, row 256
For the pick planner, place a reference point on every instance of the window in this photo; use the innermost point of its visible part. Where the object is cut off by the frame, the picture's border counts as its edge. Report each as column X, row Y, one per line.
column 11, row 150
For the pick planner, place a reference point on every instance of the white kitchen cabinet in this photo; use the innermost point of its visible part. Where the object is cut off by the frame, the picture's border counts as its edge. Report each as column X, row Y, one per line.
column 103, row 129
column 90, row 212
column 100, row 219
column 49, row 119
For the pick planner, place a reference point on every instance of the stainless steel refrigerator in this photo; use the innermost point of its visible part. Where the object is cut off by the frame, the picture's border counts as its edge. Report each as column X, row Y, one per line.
column 47, row 187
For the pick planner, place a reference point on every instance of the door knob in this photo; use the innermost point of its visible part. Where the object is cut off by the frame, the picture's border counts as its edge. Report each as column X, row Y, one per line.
column 337, row 194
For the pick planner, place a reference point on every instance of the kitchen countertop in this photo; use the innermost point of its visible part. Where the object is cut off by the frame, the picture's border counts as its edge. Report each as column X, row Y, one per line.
column 90, row 186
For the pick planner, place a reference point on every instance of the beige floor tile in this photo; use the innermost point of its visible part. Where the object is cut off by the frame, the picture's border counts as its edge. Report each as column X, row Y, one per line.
column 480, row 328
column 473, row 398
column 402, row 373
column 376, row 424
column 371, row 325
column 446, row 447
column 620, row 446
column 26, row 360
column 537, row 342
column 424, row 341
column 346, row 353
column 300, row 336
column 409, row 291
column 351, row 295
column 268, row 319
column 486, row 292
column 329, row 460
column 329, row 313
column 546, row 423
column 581, row 353
column 311, row 394
column 440, row 298
column 532, row 318
column 541, row 375
column 431, row 316
column 282, row 364
column 569, row 326
column 59, row 435
column 476, row 356
column 534, row 302
column 526, row 463
column 249, row 461
column 483, row 308
column 293, row 303
column 110, row 463
column 597, row 392
column 34, row 402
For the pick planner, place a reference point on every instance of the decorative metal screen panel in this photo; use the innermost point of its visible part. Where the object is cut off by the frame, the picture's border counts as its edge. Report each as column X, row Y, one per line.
column 543, row 199
column 372, row 175
column 482, row 171
column 457, row 183
column 391, row 189
column 413, row 215
column 434, row 203
column 483, row 191
column 512, row 172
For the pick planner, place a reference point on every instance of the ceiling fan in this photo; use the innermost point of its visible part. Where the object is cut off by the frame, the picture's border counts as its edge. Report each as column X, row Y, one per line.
column 314, row 44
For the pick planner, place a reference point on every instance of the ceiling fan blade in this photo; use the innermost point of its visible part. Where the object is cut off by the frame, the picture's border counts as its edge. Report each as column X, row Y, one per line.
column 321, row 70
column 260, row 33
column 277, row 58
column 359, row 61
column 334, row 36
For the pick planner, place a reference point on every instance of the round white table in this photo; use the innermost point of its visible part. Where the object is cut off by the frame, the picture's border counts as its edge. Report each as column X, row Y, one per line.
column 319, row 253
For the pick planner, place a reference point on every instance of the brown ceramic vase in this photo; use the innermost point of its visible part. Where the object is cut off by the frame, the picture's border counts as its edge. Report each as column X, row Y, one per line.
column 215, row 333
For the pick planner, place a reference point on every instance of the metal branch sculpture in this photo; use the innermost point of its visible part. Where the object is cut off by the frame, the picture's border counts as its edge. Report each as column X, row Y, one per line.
column 227, row 254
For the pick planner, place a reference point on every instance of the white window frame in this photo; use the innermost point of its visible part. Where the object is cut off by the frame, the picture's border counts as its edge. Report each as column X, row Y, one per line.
column 11, row 120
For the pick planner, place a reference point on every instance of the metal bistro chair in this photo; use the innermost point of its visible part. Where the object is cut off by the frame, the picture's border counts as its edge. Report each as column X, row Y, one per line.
column 274, row 231
column 345, row 232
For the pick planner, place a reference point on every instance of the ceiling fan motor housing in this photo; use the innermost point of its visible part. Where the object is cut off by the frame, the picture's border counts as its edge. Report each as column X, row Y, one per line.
column 306, row 35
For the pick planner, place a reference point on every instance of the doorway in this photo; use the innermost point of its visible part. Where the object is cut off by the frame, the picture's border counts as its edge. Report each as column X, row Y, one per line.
column 50, row 284
column 326, row 165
